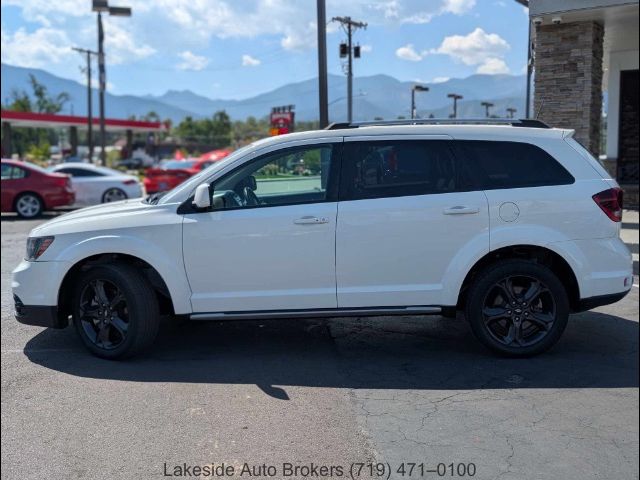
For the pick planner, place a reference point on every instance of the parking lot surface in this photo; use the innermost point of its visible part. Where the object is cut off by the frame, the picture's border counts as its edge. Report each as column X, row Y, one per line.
column 332, row 392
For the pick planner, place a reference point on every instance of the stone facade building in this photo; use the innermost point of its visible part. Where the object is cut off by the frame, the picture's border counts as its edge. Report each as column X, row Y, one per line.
column 583, row 48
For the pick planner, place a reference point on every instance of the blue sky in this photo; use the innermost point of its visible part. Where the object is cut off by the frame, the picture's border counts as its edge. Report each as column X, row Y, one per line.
column 236, row 49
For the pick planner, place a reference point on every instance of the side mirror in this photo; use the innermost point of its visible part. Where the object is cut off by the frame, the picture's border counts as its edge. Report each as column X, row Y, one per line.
column 201, row 197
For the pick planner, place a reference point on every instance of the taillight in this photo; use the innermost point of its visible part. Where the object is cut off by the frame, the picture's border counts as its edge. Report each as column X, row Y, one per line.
column 129, row 182
column 611, row 202
column 63, row 181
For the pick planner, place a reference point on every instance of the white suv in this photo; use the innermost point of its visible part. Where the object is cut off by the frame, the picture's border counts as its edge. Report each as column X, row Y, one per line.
column 516, row 225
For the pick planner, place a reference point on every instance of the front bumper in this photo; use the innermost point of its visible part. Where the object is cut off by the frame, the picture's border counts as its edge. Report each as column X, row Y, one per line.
column 35, row 288
column 38, row 315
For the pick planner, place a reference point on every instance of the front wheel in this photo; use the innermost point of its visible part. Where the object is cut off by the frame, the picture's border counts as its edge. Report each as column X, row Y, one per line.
column 517, row 308
column 115, row 311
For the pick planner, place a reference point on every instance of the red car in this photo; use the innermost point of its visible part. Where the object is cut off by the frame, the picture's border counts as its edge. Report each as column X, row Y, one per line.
column 28, row 189
column 175, row 172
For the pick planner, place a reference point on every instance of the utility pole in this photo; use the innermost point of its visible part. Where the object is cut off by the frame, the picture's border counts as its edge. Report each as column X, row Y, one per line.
column 414, row 89
column 511, row 111
column 88, row 53
column 455, row 97
column 487, row 106
column 323, row 95
column 350, row 27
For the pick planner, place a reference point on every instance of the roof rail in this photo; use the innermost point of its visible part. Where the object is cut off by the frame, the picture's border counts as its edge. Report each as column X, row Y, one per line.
column 524, row 122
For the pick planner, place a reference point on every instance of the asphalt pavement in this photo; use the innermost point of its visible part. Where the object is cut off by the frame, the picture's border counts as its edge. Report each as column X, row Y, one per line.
column 340, row 392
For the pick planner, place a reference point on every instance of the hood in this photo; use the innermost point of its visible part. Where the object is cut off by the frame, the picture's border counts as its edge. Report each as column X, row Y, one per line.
column 104, row 216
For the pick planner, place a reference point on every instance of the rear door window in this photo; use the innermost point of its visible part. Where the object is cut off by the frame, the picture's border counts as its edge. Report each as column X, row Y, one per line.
column 395, row 168
column 498, row 165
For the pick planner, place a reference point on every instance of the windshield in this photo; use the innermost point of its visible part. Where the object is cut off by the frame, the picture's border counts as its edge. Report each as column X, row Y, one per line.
column 177, row 164
column 194, row 181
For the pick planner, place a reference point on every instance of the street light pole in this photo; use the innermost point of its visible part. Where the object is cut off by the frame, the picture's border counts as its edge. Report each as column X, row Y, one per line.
column 323, row 95
column 102, row 81
column 511, row 111
column 102, row 6
column 455, row 97
column 487, row 106
column 89, row 99
column 414, row 89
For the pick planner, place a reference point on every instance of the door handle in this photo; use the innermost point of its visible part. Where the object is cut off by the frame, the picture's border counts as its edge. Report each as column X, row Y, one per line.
column 310, row 220
column 460, row 210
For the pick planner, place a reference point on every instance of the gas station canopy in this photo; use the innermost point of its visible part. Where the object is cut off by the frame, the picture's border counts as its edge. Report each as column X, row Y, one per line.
column 50, row 120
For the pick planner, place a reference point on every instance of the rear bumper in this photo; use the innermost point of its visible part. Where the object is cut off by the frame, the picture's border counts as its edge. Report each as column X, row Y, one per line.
column 61, row 199
column 593, row 302
column 603, row 267
column 37, row 315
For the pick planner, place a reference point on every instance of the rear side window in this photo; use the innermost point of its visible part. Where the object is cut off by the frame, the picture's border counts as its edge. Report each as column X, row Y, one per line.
column 499, row 165
column 79, row 172
column 377, row 169
column 12, row 172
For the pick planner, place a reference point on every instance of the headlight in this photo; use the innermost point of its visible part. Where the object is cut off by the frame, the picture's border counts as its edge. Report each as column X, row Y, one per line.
column 36, row 246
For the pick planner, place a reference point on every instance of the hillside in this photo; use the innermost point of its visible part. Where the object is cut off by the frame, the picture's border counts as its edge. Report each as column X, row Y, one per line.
column 375, row 96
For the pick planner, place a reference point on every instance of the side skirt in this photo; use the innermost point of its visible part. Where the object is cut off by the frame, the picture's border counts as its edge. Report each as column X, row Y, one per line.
column 315, row 313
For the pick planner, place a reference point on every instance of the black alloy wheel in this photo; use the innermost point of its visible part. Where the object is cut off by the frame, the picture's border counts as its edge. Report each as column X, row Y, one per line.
column 519, row 311
column 517, row 308
column 115, row 310
column 104, row 314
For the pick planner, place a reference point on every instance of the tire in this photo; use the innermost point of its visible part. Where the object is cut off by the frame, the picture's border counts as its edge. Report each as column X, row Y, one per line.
column 28, row 205
column 517, row 328
column 113, row 195
column 130, row 322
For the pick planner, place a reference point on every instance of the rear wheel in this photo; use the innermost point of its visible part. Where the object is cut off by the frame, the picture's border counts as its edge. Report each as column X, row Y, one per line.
column 29, row 205
column 113, row 195
column 517, row 308
column 115, row 311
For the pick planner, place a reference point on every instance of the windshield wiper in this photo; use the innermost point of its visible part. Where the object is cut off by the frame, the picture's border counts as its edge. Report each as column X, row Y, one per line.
column 154, row 197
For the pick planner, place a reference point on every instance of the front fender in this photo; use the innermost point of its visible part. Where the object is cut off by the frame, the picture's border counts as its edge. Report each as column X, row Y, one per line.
column 163, row 254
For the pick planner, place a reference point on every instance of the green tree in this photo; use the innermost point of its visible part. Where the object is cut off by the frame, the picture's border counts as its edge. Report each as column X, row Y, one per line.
column 46, row 103
column 29, row 140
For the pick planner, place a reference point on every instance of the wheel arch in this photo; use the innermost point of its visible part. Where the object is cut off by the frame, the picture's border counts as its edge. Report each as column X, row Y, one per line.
column 163, row 294
column 543, row 255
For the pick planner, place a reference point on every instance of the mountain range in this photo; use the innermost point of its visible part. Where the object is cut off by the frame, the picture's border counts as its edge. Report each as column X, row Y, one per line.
column 374, row 96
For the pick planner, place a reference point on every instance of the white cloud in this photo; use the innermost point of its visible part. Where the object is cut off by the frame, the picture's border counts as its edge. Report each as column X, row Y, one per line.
column 422, row 15
column 473, row 49
column 193, row 23
column 458, row 7
column 40, row 48
column 408, row 52
column 121, row 46
column 249, row 61
column 440, row 79
column 191, row 61
column 366, row 48
column 493, row 66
